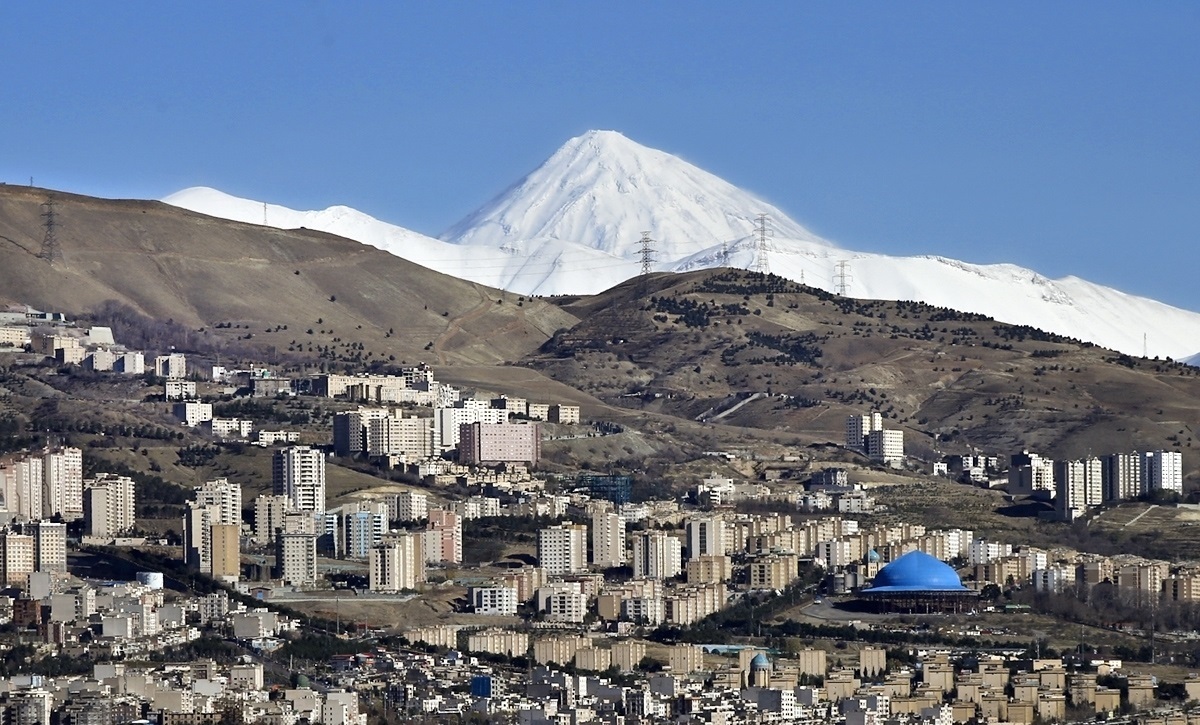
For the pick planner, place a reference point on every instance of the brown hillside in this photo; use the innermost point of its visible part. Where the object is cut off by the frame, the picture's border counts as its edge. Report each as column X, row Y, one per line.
column 169, row 263
column 695, row 345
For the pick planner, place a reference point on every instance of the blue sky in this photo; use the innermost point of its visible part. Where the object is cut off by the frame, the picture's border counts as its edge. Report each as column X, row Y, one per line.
column 1062, row 136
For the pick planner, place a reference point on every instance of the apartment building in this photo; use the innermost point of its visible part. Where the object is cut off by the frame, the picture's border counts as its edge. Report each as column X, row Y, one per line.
column 495, row 443
column 562, row 549
column 109, row 505
column 397, row 563
column 298, row 472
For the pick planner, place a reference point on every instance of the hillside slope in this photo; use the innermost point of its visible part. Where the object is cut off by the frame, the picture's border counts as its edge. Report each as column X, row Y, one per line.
column 752, row 350
column 169, row 263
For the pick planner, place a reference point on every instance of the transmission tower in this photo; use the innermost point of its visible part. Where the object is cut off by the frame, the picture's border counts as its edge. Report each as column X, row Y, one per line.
column 265, row 214
column 724, row 254
column 842, row 278
column 51, row 252
column 646, row 252
column 760, row 248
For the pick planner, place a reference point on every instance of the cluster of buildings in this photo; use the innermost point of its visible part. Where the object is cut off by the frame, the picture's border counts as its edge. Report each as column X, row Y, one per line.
column 483, row 432
column 177, row 693
column 866, row 433
column 1077, row 486
column 744, row 684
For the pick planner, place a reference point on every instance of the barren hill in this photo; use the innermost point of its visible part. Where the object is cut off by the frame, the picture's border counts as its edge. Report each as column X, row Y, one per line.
column 744, row 349
column 169, row 263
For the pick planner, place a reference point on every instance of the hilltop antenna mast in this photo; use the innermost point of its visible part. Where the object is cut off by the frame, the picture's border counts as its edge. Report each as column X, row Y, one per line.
column 646, row 252
column 760, row 249
column 265, row 215
column 51, row 252
column 842, row 278
column 724, row 254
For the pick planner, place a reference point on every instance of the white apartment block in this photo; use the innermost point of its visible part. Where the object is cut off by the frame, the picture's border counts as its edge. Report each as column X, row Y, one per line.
column 1029, row 474
column 21, row 483
column 109, row 505
column 14, row 336
column 176, row 389
column 1122, row 476
column 296, row 558
column 350, row 430
column 398, row 563
column 171, row 366
column 494, row 601
column 223, row 494
column 705, row 536
column 49, row 546
column 298, row 472
column 1078, row 486
column 130, row 363
column 537, row 411
column 562, row 549
column 193, row 413
column 101, row 360
column 608, row 539
column 231, row 427
column 656, row 555
column 566, row 414
column 207, row 548
column 411, row 506
column 566, row 607
column 1162, row 471
column 448, row 422
column 398, row 435
column 982, row 551
column 886, row 447
column 62, row 484
column 857, row 428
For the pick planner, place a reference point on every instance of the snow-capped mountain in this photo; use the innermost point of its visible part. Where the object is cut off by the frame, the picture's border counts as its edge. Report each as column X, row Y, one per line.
column 572, row 226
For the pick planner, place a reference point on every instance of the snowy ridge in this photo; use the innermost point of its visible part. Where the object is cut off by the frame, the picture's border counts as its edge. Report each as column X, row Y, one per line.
column 572, row 227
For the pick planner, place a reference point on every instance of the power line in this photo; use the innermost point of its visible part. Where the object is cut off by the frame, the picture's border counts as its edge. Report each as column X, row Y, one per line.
column 646, row 252
column 842, row 278
column 51, row 252
column 760, row 250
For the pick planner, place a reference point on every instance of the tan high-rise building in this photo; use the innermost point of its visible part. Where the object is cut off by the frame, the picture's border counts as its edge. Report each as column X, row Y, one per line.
column 443, row 537
column 109, row 505
column 226, row 551
column 398, row 563
column 16, row 559
column 709, row 570
column 268, row 517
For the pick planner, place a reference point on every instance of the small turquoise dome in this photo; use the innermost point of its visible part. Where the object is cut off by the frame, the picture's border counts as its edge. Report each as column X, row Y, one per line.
column 873, row 557
column 916, row 571
column 760, row 662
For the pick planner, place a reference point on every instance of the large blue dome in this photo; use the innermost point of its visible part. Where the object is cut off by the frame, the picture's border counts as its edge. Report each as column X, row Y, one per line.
column 916, row 571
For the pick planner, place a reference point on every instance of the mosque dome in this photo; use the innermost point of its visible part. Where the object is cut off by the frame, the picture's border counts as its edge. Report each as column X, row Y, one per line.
column 916, row 571
column 760, row 662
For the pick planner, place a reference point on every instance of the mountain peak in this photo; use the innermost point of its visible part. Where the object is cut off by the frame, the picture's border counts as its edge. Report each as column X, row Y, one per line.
column 602, row 190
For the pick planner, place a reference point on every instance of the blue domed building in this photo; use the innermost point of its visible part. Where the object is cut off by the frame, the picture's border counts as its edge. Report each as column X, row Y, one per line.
column 918, row 582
